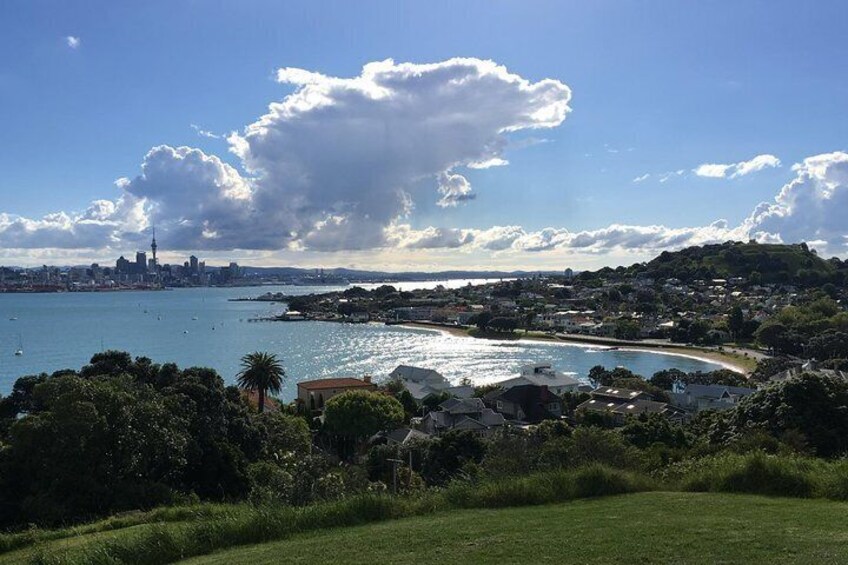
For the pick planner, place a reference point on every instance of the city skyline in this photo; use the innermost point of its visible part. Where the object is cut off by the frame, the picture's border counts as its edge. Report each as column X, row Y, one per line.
column 422, row 136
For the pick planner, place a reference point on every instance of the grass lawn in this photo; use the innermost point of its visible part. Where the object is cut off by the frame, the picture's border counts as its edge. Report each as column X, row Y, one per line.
column 635, row 528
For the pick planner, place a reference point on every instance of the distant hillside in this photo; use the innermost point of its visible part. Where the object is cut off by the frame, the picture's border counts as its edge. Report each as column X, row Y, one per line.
column 361, row 275
column 757, row 262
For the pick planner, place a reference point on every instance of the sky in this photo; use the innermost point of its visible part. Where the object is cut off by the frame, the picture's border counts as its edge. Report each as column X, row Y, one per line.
column 419, row 135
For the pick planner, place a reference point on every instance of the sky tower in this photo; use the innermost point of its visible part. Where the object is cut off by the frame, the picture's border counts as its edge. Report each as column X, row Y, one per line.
column 153, row 247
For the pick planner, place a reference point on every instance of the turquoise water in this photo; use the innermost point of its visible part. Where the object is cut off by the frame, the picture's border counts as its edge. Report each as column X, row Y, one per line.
column 61, row 331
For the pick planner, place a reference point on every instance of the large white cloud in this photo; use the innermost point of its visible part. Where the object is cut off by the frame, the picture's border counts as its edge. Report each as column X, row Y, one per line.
column 332, row 165
column 812, row 207
column 349, row 157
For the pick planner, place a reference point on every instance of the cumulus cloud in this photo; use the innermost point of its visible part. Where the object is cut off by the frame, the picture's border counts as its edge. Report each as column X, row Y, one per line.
column 735, row 170
column 454, row 189
column 73, row 41
column 514, row 239
column 338, row 160
column 340, row 163
column 813, row 206
column 358, row 149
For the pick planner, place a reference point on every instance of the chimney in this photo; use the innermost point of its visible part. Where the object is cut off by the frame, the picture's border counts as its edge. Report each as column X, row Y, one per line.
column 367, row 379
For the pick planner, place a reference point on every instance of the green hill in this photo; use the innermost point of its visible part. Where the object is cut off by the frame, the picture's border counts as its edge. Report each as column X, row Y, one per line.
column 768, row 263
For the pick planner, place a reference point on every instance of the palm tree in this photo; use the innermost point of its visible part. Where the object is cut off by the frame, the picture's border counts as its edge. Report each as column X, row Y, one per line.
column 263, row 373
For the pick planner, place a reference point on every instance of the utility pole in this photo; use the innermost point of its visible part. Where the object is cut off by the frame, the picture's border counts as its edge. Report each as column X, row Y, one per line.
column 394, row 473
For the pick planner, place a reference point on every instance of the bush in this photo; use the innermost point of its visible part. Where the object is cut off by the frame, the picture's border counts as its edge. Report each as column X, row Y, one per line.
column 757, row 473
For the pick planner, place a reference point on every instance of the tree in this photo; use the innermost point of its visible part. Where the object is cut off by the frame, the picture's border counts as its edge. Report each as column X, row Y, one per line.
column 599, row 376
column 481, row 320
column 668, row 378
column 261, row 372
column 828, row 345
column 449, row 454
column 356, row 415
column 503, row 324
column 626, row 329
column 772, row 335
column 649, row 429
column 812, row 405
column 736, row 321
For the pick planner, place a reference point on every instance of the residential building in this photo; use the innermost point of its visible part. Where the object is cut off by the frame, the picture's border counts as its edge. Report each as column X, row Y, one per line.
column 462, row 414
column 400, row 436
column 527, row 403
column 619, row 403
column 423, row 383
column 315, row 394
column 543, row 374
column 696, row 398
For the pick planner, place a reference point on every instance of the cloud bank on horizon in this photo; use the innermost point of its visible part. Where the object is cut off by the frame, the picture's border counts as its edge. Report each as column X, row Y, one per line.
column 340, row 163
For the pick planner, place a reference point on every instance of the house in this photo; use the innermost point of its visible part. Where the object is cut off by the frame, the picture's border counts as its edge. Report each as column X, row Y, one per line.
column 527, row 403
column 358, row 317
column 462, row 414
column 400, row 436
column 252, row 397
column 543, row 374
column 619, row 403
column 642, row 406
column 314, row 394
column 695, row 398
column 807, row 367
column 423, row 383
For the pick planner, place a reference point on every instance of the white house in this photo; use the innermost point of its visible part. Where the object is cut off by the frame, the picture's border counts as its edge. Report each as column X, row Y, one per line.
column 421, row 383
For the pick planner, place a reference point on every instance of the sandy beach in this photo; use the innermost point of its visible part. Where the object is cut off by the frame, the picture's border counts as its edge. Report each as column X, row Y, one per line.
column 734, row 361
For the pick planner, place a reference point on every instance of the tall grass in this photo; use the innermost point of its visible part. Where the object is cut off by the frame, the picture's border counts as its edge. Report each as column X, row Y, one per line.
column 173, row 534
column 168, row 542
column 12, row 541
column 770, row 475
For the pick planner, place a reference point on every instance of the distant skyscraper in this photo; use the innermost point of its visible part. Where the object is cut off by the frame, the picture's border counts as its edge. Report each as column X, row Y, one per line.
column 122, row 265
column 153, row 247
column 195, row 267
column 141, row 262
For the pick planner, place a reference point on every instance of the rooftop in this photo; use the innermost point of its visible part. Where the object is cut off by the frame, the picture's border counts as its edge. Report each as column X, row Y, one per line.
column 338, row 382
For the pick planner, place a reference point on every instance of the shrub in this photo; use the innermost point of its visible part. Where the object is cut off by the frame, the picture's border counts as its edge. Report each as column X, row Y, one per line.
column 757, row 473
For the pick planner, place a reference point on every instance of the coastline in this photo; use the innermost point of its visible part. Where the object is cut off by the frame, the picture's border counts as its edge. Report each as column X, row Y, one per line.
column 734, row 362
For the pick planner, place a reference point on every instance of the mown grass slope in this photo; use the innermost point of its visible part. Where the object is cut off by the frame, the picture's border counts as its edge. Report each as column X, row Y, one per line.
column 635, row 528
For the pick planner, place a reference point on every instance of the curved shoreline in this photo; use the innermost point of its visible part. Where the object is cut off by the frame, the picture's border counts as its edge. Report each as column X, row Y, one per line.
column 716, row 357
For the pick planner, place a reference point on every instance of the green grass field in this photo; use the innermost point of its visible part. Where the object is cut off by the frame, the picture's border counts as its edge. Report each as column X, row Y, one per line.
column 635, row 528
column 649, row 527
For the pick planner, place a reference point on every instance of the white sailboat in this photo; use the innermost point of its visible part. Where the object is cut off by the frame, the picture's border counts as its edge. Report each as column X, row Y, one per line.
column 20, row 350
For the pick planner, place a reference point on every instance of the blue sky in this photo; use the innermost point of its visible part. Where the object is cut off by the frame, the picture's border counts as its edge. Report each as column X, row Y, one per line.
column 654, row 88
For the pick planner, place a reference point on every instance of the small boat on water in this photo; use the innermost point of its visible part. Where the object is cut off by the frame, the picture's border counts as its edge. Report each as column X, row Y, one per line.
column 13, row 318
column 20, row 350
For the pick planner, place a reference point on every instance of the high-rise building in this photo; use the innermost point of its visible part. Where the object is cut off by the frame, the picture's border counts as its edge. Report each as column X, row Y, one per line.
column 141, row 262
column 195, row 267
column 153, row 248
column 122, row 265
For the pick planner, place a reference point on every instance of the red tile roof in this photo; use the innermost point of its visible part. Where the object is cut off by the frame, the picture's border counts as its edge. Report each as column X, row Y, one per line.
column 253, row 397
column 340, row 382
